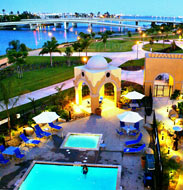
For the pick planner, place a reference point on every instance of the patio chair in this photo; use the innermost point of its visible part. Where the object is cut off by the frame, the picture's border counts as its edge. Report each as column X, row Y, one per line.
column 136, row 126
column 136, row 141
column 2, row 148
column 54, row 126
column 122, row 124
column 41, row 132
column 18, row 154
column 29, row 141
column 119, row 132
column 131, row 133
column 134, row 150
column 3, row 160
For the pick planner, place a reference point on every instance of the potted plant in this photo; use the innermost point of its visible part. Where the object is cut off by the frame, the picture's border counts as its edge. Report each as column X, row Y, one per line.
column 120, row 104
column 98, row 111
column 143, row 161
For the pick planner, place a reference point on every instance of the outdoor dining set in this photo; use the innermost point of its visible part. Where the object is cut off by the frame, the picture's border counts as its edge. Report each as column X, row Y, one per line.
column 129, row 125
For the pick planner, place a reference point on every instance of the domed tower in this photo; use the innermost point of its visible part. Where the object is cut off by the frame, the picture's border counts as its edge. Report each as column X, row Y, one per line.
column 95, row 74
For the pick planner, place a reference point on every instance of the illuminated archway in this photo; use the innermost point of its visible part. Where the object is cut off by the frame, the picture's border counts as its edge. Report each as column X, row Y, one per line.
column 95, row 74
column 157, row 63
column 163, row 85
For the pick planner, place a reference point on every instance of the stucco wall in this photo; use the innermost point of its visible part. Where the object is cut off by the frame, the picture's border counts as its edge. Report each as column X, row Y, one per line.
column 156, row 64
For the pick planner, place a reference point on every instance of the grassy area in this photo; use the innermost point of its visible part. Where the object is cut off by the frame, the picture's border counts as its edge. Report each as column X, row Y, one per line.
column 27, row 107
column 2, row 56
column 138, row 62
column 156, row 47
column 37, row 79
column 111, row 46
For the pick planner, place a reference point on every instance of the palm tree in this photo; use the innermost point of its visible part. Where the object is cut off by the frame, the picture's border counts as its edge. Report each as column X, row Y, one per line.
column 77, row 47
column 85, row 41
column 17, row 54
column 93, row 35
column 151, row 42
column 7, row 104
column 60, row 97
column 19, row 59
column 68, row 52
column 14, row 45
column 104, row 37
column 3, row 10
column 50, row 47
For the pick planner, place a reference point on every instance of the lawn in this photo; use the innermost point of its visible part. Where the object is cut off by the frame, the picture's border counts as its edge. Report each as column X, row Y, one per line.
column 136, row 62
column 156, row 47
column 37, row 79
column 111, row 46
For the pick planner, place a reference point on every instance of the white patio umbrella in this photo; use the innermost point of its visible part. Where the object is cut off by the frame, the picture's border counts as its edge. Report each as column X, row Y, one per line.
column 46, row 117
column 130, row 117
column 134, row 95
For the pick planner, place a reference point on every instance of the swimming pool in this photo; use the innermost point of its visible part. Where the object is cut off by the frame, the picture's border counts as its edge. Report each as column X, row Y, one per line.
column 67, row 176
column 81, row 141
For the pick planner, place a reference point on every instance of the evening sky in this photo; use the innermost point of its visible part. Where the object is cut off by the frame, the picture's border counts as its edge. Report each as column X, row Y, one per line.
column 130, row 7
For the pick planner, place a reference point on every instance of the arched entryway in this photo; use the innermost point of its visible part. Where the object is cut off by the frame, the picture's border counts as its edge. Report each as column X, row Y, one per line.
column 95, row 74
column 163, row 85
column 82, row 92
column 107, row 96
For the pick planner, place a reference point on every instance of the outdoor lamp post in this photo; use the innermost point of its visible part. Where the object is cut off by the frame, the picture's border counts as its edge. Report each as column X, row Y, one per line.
column 137, row 49
column 143, row 36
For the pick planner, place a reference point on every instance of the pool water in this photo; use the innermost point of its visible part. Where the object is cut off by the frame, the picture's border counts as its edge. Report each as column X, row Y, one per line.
column 68, row 177
column 82, row 141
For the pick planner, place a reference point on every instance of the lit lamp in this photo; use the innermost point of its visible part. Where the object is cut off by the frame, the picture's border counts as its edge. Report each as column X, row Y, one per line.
column 78, row 38
column 137, row 48
column 84, row 59
column 143, row 35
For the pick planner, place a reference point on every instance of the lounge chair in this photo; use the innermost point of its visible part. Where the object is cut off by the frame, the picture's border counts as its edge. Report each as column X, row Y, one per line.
column 38, row 134
column 18, row 154
column 54, row 126
column 119, row 132
column 3, row 160
column 29, row 141
column 136, row 141
column 2, row 148
column 41, row 132
column 134, row 150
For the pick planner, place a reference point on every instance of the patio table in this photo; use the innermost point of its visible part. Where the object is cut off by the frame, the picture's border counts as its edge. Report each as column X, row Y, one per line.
column 128, row 128
column 10, row 150
column 134, row 105
column 177, row 128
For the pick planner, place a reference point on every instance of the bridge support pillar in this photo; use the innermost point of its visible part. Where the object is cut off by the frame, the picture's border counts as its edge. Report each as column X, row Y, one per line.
column 90, row 25
column 74, row 24
column 55, row 24
column 136, row 23
column 32, row 26
column 66, row 25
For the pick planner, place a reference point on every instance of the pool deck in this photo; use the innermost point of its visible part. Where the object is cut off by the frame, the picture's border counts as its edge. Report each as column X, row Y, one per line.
column 49, row 150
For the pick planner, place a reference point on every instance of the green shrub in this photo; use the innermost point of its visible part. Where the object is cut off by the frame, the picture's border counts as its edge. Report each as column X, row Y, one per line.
column 180, row 106
column 175, row 95
column 64, row 114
